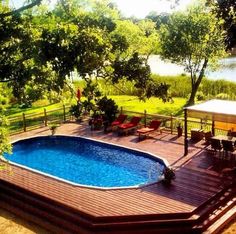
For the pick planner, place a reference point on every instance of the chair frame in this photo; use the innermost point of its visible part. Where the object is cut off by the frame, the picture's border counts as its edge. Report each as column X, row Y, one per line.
column 146, row 130
column 125, row 130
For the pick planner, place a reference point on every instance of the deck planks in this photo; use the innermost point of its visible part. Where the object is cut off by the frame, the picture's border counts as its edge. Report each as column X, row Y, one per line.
column 197, row 180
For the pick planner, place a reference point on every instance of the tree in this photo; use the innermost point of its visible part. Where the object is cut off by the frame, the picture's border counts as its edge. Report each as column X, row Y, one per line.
column 29, row 5
column 159, row 19
column 226, row 9
column 5, row 146
column 195, row 40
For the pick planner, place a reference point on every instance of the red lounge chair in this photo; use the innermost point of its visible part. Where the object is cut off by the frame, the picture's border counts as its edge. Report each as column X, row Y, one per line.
column 120, row 119
column 154, row 125
column 133, row 124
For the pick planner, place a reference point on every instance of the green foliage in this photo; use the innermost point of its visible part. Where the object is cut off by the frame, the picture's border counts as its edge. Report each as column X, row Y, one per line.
column 169, row 175
column 153, row 105
column 226, row 9
column 76, row 110
column 193, row 39
column 223, row 96
column 5, row 146
column 200, row 96
column 92, row 94
column 159, row 19
column 53, row 128
column 108, row 107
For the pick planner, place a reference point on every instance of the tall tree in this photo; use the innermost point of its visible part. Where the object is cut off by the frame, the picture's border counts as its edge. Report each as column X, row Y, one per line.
column 226, row 9
column 27, row 6
column 195, row 40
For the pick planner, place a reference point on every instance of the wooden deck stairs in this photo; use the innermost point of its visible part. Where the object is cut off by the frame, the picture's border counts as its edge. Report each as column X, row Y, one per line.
column 59, row 218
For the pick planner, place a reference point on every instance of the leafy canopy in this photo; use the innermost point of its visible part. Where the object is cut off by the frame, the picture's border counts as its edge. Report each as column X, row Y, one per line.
column 193, row 39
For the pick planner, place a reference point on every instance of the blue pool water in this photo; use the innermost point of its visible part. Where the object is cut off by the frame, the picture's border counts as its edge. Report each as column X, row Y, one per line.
column 86, row 162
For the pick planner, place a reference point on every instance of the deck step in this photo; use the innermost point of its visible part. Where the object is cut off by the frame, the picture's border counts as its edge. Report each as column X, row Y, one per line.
column 55, row 216
column 216, row 209
column 222, row 222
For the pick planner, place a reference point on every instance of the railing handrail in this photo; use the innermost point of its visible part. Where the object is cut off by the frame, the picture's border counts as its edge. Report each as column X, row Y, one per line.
column 25, row 120
column 28, row 120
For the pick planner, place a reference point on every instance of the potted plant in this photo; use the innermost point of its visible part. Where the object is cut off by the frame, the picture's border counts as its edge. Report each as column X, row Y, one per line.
column 109, row 110
column 179, row 128
column 169, row 175
column 53, row 128
column 96, row 121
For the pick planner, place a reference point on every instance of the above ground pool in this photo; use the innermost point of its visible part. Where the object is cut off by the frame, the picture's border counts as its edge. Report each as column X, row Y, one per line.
column 82, row 161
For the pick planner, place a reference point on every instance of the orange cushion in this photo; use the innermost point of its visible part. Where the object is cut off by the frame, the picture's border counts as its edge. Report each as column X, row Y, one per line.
column 145, row 130
column 126, row 125
column 116, row 122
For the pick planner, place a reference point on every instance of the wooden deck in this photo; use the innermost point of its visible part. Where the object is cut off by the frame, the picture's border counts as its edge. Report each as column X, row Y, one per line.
column 191, row 204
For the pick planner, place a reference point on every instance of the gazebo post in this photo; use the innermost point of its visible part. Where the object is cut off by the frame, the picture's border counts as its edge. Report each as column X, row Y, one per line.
column 213, row 127
column 185, row 132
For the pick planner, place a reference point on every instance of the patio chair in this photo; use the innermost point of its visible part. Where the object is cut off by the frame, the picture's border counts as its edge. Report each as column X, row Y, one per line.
column 208, row 135
column 228, row 146
column 120, row 119
column 153, row 126
column 132, row 125
column 216, row 145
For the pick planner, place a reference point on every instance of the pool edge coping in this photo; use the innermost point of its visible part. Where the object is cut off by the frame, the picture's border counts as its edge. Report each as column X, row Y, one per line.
column 165, row 162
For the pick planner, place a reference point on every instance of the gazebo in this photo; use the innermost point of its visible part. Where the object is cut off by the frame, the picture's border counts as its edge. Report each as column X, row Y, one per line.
column 221, row 113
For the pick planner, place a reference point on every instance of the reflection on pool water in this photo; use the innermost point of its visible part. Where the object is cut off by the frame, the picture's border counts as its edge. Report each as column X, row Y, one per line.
column 87, row 162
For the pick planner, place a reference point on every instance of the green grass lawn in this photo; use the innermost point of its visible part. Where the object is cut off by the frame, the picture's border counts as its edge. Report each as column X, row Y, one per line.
column 152, row 105
column 129, row 103
column 15, row 110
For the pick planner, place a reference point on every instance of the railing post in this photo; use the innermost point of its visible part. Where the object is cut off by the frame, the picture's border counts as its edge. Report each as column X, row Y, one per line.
column 45, row 118
column 24, row 122
column 64, row 113
column 185, row 132
column 213, row 127
column 145, row 118
column 201, row 123
column 171, row 123
column 121, row 110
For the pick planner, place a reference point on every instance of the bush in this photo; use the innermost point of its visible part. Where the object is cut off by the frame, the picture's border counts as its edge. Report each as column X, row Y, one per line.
column 108, row 107
column 200, row 96
column 76, row 110
column 223, row 96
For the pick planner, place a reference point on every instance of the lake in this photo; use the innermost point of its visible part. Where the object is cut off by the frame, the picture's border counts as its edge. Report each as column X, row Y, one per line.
column 227, row 70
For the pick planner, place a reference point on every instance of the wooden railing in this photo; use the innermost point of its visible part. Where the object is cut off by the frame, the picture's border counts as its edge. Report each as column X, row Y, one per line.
column 171, row 122
column 25, row 122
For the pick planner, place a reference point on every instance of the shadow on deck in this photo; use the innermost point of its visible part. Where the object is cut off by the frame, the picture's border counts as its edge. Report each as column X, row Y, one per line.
column 198, row 197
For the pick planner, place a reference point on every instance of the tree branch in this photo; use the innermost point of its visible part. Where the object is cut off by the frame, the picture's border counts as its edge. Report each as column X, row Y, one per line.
column 23, row 8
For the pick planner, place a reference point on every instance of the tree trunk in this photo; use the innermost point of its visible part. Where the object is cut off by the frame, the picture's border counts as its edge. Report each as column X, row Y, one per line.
column 191, row 100
column 195, row 85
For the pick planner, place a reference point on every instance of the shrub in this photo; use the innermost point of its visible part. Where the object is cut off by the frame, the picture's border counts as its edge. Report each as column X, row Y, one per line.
column 108, row 107
column 76, row 110
column 223, row 96
column 200, row 96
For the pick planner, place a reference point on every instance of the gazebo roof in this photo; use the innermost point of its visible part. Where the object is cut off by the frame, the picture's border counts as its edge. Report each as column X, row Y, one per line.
column 217, row 110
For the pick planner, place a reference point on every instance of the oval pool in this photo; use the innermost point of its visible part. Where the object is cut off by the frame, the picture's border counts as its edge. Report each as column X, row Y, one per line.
column 87, row 162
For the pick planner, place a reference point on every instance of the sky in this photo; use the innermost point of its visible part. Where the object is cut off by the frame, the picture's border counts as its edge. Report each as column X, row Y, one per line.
column 138, row 8
column 141, row 8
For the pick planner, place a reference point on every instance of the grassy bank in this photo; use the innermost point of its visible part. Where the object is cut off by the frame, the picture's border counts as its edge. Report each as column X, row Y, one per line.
column 130, row 103
column 152, row 105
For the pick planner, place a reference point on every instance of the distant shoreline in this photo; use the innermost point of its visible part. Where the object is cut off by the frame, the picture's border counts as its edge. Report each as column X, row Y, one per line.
column 165, row 68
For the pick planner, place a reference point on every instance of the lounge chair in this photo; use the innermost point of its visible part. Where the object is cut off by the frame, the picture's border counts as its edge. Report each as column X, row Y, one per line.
column 153, row 126
column 132, row 125
column 120, row 119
